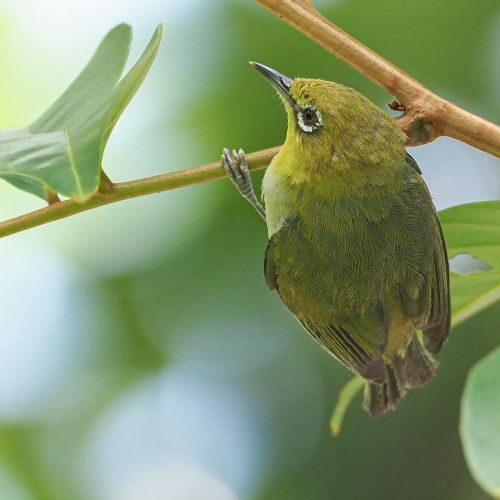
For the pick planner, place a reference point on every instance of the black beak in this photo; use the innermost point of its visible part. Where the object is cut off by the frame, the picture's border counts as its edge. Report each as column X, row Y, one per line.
column 281, row 82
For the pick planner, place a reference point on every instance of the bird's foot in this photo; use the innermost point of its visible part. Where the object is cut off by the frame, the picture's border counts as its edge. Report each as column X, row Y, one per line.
column 236, row 167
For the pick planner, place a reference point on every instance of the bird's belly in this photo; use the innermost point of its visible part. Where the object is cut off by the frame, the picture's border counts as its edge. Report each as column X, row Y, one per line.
column 340, row 284
column 335, row 257
column 281, row 199
column 328, row 270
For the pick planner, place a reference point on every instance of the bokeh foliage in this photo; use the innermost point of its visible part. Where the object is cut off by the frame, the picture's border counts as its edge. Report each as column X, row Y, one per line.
column 63, row 149
column 480, row 421
column 204, row 307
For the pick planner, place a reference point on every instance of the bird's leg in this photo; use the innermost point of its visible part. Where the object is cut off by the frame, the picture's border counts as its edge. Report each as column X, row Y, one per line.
column 236, row 167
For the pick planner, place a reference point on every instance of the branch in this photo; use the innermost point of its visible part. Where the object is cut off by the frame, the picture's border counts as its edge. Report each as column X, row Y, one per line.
column 111, row 193
column 426, row 115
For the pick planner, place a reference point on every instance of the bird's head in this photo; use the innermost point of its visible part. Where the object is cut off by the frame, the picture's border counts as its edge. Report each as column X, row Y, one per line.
column 333, row 127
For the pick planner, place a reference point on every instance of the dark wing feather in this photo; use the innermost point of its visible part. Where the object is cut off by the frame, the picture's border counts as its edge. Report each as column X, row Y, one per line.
column 344, row 343
column 437, row 327
column 432, row 302
column 411, row 161
column 269, row 267
column 351, row 347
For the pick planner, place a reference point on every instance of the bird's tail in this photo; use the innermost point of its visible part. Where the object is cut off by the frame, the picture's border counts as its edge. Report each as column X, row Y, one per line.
column 414, row 370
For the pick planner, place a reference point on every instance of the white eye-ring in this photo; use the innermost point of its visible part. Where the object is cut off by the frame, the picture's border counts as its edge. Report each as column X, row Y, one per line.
column 309, row 119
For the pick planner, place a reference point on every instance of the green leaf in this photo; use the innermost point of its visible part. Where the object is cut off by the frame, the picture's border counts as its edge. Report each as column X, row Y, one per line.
column 133, row 79
column 480, row 422
column 20, row 154
column 63, row 149
column 474, row 229
column 82, row 111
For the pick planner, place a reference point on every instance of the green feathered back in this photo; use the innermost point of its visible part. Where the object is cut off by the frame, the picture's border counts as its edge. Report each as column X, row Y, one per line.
column 356, row 250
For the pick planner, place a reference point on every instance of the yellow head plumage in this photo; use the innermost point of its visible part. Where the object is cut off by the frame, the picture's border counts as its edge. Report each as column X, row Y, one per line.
column 335, row 128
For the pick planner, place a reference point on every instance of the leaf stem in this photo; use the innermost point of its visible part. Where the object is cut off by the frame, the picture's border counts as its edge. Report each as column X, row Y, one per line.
column 426, row 117
column 131, row 189
column 345, row 397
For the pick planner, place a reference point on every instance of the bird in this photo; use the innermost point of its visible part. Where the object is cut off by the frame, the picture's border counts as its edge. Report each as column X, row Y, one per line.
column 355, row 251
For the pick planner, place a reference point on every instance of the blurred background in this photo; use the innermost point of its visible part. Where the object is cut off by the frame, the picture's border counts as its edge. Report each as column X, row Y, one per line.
column 141, row 354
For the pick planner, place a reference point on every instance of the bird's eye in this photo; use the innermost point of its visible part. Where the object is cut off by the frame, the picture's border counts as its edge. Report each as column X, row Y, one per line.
column 309, row 117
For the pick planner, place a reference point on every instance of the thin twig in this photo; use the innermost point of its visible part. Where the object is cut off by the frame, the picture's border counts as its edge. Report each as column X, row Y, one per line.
column 427, row 116
column 131, row 189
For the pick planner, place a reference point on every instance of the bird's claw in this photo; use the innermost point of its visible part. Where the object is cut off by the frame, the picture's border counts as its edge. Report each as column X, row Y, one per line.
column 236, row 167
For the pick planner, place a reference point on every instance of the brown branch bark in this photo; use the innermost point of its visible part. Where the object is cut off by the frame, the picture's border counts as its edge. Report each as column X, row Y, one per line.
column 111, row 193
column 426, row 117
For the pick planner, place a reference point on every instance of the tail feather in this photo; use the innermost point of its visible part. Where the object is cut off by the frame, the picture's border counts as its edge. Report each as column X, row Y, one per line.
column 414, row 370
column 379, row 398
column 418, row 366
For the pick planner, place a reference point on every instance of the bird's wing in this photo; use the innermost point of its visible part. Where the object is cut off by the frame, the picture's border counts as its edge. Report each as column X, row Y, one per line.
column 438, row 323
column 430, row 306
column 358, row 342
column 269, row 266
column 353, row 343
